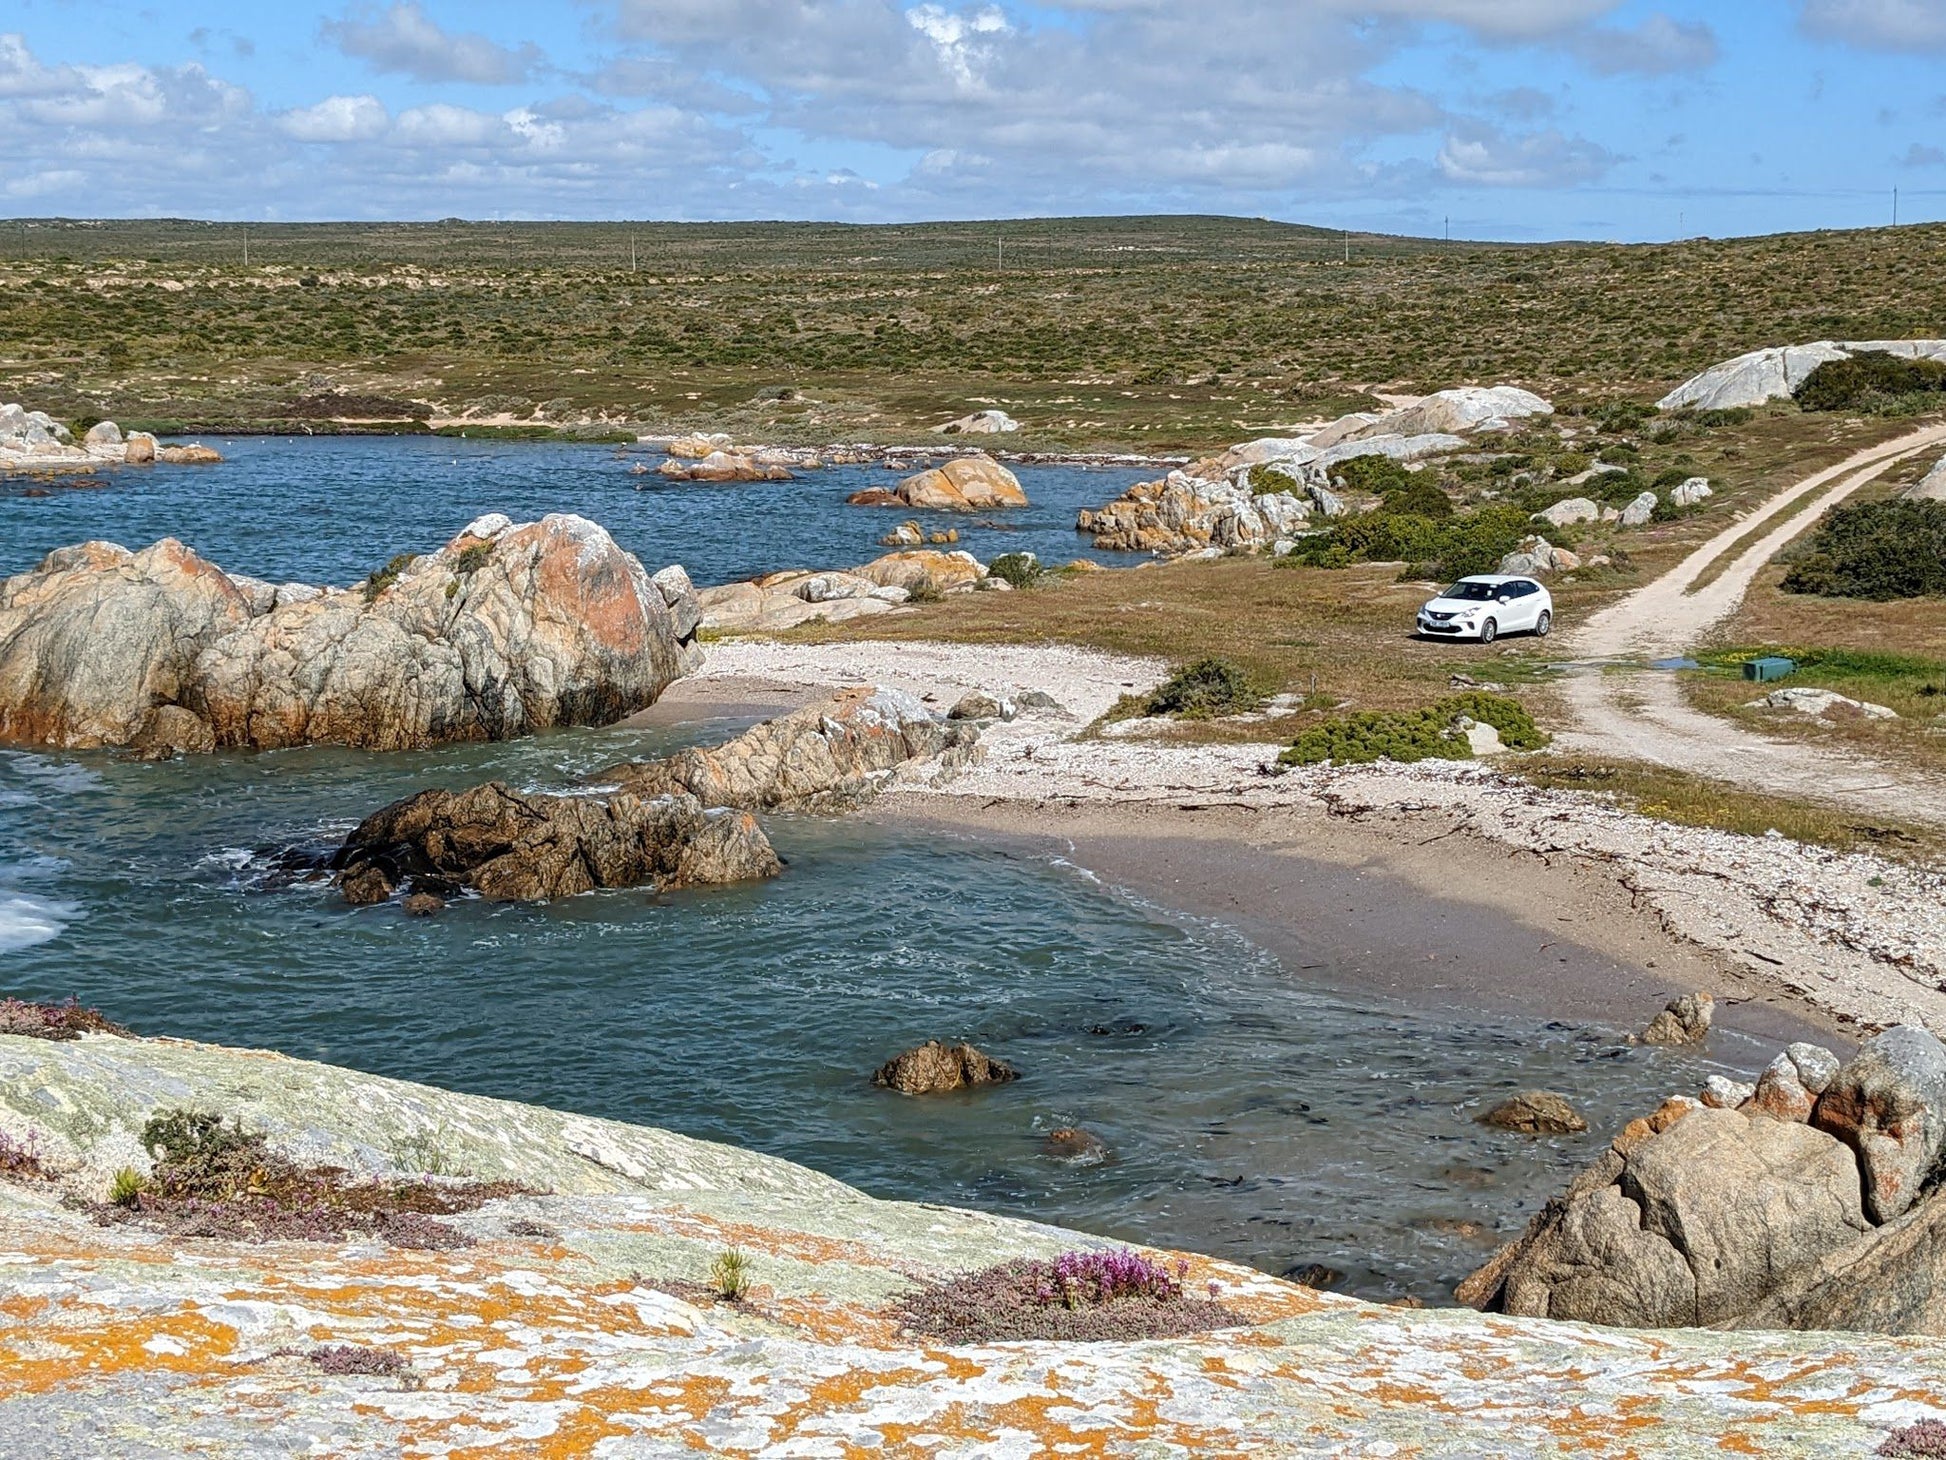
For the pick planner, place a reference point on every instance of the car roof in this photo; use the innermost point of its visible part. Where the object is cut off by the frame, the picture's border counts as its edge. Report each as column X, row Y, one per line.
column 1495, row 579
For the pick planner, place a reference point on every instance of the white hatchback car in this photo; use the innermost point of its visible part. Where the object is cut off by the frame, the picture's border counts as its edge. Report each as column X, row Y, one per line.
column 1488, row 606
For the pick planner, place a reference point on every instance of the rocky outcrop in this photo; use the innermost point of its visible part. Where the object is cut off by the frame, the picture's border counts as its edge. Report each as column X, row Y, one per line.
column 1452, row 412
column 582, row 1307
column 1187, row 511
column 1825, row 704
column 723, row 466
column 514, row 847
column 1536, row 1113
column 503, row 631
column 1814, row 1202
column 1536, row 557
column 980, row 423
column 1775, row 373
column 831, row 756
column 1931, row 487
column 1690, row 491
column 970, row 484
column 938, row 1069
column 35, row 441
column 1685, row 1020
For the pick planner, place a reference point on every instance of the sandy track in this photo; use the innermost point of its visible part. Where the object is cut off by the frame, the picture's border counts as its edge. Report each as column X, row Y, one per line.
column 1641, row 716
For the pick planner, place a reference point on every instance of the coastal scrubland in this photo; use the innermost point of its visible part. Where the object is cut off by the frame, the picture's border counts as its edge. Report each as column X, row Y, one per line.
column 1158, row 333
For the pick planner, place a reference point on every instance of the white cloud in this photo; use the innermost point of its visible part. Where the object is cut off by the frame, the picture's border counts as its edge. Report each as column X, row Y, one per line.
column 1481, row 155
column 1890, row 25
column 407, row 41
column 1659, row 45
column 337, row 119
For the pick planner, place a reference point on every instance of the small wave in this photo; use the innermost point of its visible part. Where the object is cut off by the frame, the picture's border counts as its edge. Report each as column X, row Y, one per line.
column 25, row 920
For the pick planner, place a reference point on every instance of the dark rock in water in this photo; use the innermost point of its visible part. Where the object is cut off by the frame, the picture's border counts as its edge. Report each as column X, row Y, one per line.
column 512, row 847
column 1315, row 1275
column 1076, row 1146
column 1683, row 1021
column 366, row 885
column 1741, row 1218
column 1536, row 1113
column 423, row 905
column 934, row 1068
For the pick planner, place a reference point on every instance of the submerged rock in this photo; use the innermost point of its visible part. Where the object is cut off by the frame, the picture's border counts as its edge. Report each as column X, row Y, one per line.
column 1076, row 1146
column 934, row 1069
column 515, row 847
column 830, row 756
column 1536, row 1113
column 503, row 631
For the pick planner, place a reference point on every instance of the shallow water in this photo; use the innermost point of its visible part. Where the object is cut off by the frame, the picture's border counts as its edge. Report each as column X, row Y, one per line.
column 1246, row 1114
column 330, row 509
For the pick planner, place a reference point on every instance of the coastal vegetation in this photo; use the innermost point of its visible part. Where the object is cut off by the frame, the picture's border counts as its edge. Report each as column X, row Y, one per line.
column 1436, row 732
column 1078, row 1296
column 1159, row 332
column 1876, row 383
column 1876, row 550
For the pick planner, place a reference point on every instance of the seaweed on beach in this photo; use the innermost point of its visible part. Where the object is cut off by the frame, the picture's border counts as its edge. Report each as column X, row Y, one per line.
column 1077, row 1297
column 69, row 1020
column 213, row 1179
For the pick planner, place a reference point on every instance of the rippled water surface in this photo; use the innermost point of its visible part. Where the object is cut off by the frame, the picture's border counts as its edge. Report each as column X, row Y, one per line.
column 331, row 509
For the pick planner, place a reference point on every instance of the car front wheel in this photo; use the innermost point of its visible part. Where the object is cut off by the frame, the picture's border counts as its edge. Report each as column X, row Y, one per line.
column 1543, row 624
column 1489, row 631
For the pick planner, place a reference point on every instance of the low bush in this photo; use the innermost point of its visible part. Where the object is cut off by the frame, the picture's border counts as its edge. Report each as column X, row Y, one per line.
column 1078, row 1297
column 1204, row 690
column 1449, row 547
column 1267, row 481
column 386, row 576
column 1874, row 382
column 65, row 1021
column 1375, row 473
column 1432, row 733
column 1417, row 497
column 1022, row 570
column 1875, row 550
column 214, row 1179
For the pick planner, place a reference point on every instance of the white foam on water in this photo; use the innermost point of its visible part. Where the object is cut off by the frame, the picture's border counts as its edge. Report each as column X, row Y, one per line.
column 26, row 920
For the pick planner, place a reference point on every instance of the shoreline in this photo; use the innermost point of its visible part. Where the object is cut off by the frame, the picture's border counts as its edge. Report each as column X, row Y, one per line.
column 1791, row 938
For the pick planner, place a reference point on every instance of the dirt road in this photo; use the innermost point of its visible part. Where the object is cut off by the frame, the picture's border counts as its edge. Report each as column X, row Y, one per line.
column 1639, row 714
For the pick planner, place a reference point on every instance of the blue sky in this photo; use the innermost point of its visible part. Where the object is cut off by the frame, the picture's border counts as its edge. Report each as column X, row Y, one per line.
column 1514, row 119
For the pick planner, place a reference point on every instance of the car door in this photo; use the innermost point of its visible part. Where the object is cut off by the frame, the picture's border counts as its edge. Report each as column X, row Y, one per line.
column 1525, row 607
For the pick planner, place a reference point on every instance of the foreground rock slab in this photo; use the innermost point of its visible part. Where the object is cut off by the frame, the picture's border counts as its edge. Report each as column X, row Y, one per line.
column 506, row 630
column 579, row 1323
column 515, row 847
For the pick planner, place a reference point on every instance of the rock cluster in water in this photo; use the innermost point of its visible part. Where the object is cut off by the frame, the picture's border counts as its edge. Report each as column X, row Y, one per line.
column 784, row 600
column 970, row 484
column 34, row 440
column 505, row 630
column 510, row 846
column 1810, row 1200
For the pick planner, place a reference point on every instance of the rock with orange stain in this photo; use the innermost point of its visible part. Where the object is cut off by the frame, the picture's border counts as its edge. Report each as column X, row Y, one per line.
column 580, row 1323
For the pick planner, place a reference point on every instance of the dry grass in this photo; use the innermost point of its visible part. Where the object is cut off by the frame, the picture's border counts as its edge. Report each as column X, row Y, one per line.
column 1686, row 800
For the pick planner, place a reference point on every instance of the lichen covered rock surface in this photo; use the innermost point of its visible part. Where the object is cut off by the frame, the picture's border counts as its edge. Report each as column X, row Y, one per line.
column 579, row 1322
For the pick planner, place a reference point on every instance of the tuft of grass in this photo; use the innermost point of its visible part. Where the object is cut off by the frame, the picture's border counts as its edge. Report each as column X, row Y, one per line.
column 730, row 1274
column 1433, row 733
column 126, row 1189
column 386, row 576
column 474, row 558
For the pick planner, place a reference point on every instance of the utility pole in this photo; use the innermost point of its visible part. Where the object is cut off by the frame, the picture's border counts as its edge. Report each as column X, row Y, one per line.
column 1449, row 227
column 633, row 266
column 1347, row 246
column 1000, row 252
column 246, row 240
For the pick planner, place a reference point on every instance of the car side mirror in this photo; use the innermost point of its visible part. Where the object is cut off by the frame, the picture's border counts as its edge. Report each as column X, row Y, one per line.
column 1504, row 598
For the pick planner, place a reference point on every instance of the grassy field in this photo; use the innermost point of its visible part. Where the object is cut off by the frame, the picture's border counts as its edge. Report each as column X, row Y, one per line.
column 1161, row 333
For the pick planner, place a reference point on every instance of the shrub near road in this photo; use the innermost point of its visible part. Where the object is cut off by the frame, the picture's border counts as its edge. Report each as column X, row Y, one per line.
column 1876, row 550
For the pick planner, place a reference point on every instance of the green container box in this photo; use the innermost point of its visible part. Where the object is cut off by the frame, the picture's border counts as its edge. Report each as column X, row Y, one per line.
column 1765, row 670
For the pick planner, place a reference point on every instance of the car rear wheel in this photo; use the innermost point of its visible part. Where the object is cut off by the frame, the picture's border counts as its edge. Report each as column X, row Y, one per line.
column 1489, row 631
column 1543, row 623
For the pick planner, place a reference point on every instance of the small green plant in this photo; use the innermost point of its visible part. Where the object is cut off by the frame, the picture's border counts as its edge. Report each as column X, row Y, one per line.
column 924, row 591
column 126, row 1189
column 1267, row 480
column 427, row 1153
column 1432, row 733
column 1022, row 570
column 386, row 576
column 472, row 559
column 730, row 1275
column 1204, row 690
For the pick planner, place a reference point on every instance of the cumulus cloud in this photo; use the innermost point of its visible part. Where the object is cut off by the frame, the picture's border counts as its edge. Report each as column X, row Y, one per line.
column 406, row 41
column 1658, row 46
column 1481, row 155
column 336, row 119
column 1888, row 25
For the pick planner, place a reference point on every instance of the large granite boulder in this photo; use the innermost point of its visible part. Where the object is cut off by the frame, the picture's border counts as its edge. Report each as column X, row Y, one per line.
column 503, row 631
column 1465, row 408
column 99, row 645
column 979, row 423
column 1196, row 508
column 1888, row 1103
column 919, row 569
column 970, row 484
column 1776, row 372
column 831, row 756
column 1811, row 1204
column 1931, row 487
column 515, row 847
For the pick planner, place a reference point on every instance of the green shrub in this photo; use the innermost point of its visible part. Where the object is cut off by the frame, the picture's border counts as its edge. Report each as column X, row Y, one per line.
column 1267, row 481
column 1375, row 474
column 1723, row 416
column 386, row 576
column 1417, row 497
column 1875, row 550
column 1873, row 381
column 474, row 558
column 924, row 591
column 1412, row 735
column 1571, row 463
column 1450, row 547
column 1205, row 689
column 1020, row 569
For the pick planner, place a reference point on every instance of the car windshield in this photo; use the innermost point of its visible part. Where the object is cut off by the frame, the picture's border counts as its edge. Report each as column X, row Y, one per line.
column 1470, row 591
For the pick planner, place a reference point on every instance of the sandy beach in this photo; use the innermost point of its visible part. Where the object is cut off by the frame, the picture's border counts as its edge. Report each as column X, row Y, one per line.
column 1444, row 882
